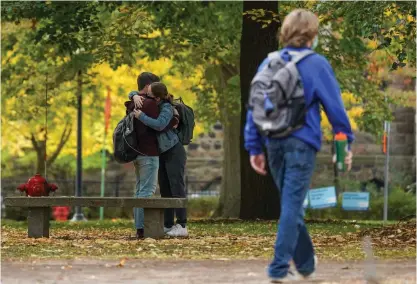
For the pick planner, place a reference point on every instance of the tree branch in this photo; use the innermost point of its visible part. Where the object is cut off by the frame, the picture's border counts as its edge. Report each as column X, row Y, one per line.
column 34, row 142
column 64, row 138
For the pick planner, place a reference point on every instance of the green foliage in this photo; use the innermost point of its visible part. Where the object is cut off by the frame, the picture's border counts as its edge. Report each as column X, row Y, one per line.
column 392, row 24
column 102, row 31
column 202, row 37
column 202, row 207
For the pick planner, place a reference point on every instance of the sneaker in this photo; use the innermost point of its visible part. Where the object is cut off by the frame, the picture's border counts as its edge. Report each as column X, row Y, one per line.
column 166, row 230
column 139, row 234
column 290, row 277
column 178, row 231
column 313, row 274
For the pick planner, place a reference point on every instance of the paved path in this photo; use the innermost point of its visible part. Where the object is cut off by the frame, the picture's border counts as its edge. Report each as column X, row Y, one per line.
column 190, row 271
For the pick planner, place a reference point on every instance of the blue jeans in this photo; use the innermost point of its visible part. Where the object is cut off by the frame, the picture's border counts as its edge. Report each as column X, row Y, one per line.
column 146, row 170
column 291, row 162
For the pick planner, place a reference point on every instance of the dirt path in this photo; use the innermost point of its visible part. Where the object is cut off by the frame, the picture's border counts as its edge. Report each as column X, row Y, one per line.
column 189, row 271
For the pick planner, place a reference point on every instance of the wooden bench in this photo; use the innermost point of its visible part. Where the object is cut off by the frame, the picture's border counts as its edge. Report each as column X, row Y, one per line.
column 39, row 210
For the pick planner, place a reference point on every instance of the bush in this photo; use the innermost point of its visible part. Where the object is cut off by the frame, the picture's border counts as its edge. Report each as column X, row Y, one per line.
column 400, row 205
column 202, row 207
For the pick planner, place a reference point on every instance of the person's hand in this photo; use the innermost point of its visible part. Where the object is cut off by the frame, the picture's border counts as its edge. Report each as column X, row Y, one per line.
column 258, row 163
column 348, row 159
column 138, row 100
column 137, row 112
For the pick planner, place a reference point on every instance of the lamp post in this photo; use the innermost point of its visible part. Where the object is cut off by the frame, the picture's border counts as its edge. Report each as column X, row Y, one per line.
column 79, row 216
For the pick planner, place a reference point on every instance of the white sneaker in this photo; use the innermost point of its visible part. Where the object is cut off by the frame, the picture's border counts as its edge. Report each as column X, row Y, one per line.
column 166, row 230
column 178, row 231
column 290, row 277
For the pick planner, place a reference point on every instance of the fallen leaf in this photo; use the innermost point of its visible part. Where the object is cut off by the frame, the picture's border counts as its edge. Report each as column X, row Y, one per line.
column 340, row 239
column 121, row 263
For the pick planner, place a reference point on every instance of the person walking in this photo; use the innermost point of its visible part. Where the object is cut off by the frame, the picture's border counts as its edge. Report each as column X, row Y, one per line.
column 292, row 151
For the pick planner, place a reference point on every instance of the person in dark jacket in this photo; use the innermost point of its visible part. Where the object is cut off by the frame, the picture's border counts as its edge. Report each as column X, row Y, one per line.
column 147, row 162
column 172, row 159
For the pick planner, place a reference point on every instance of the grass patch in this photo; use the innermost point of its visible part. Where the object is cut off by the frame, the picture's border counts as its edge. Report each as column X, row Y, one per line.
column 209, row 239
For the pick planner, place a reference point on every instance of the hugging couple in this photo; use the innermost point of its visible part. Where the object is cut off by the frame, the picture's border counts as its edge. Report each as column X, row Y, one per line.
column 161, row 155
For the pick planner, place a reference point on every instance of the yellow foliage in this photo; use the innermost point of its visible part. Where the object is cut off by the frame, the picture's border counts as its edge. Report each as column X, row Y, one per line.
column 372, row 44
column 121, row 82
column 410, row 18
column 348, row 98
column 353, row 112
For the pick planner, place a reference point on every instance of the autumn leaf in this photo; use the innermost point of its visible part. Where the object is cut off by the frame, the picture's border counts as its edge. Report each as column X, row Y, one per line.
column 122, row 263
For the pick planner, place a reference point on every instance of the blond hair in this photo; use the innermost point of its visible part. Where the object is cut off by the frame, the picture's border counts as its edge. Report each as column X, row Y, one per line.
column 299, row 27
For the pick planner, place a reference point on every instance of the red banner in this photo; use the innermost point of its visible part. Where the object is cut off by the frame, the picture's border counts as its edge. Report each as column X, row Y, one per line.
column 107, row 110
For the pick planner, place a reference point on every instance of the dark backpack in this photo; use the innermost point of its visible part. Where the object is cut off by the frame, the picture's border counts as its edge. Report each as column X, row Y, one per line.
column 124, row 141
column 277, row 96
column 186, row 125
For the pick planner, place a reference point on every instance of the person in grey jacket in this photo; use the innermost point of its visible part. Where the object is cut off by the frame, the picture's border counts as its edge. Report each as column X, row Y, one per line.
column 172, row 159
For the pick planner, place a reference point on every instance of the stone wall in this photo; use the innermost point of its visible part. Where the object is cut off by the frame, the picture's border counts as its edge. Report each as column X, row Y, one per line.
column 205, row 154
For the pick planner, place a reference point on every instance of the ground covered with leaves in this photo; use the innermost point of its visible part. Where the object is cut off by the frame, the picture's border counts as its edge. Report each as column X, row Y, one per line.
column 209, row 239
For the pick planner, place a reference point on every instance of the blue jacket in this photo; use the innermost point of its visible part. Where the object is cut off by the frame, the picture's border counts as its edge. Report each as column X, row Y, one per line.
column 166, row 139
column 320, row 87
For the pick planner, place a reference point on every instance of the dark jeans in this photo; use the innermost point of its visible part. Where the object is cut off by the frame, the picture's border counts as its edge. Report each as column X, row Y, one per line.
column 172, row 182
column 291, row 162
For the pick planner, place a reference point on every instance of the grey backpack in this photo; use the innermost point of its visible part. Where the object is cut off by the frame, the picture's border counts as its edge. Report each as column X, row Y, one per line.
column 277, row 96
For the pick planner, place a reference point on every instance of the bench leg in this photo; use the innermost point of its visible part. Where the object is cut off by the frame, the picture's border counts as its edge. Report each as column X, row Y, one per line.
column 38, row 222
column 154, row 223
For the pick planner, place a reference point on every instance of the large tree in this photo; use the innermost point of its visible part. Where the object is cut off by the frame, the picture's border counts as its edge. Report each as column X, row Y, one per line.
column 260, row 197
column 44, row 48
column 204, row 37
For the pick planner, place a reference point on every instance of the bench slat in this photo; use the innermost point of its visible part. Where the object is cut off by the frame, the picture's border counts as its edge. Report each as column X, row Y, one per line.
column 47, row 201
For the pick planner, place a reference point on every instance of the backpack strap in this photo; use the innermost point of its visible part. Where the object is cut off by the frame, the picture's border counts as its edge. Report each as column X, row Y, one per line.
column 301, row 55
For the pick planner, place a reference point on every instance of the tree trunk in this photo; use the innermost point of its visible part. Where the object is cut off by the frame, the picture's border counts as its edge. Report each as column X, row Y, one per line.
column 229, row 204
column 40, row 155
column 40, row 147
column 259, row 196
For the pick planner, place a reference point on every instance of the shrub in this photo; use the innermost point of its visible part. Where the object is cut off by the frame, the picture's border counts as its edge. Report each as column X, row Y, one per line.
column 202, row 207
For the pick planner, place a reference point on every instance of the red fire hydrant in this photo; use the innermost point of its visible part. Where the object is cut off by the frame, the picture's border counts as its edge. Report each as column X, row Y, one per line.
column 61, row 213
column 37, row 186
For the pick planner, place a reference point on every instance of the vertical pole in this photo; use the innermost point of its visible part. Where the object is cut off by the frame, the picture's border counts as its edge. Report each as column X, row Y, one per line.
column 387, row 130
column 386, row 174
column 46, row 124
column 103, row 173
column 107, row 113
column 79, row 216
column 336, row 172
